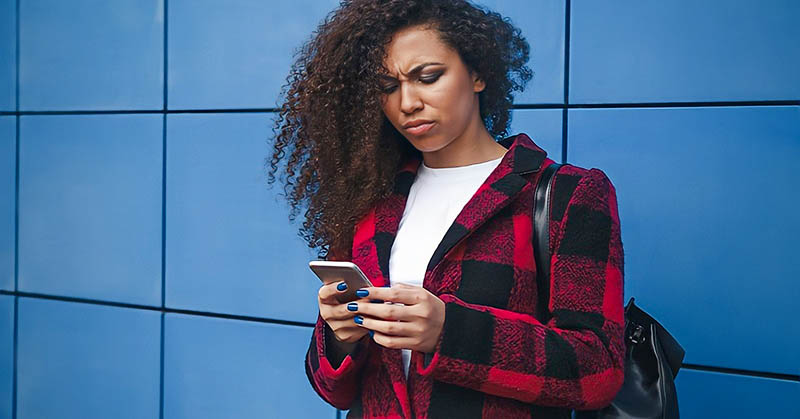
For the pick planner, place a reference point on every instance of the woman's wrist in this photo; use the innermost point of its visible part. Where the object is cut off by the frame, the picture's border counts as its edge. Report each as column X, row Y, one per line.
column 336, row 350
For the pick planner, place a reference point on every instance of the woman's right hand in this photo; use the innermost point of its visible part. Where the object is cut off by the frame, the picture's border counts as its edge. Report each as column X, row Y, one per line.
column 339, row 319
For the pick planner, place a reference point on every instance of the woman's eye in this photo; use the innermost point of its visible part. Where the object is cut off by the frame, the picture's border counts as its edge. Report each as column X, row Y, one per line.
column 426, row 80
column 429, row 80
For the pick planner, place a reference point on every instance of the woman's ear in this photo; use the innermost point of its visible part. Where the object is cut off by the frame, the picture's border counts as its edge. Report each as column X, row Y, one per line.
column 477, row 83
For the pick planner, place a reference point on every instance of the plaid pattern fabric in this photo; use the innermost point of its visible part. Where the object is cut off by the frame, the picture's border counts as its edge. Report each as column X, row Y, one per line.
column 494, row 358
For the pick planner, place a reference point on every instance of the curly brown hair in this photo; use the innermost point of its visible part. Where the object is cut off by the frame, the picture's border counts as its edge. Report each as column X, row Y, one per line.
column 343, row 151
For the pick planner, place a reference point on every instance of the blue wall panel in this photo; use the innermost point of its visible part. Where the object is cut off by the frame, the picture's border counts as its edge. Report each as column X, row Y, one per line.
column 90, row 206
column 235, row 54
column 684, row 50
column 708, row 196
column 704, row 394
column 542, row 25
column 8, row 51
column 6, row 354
column 85, row 54
column 219, row 368
column 543, row 126
column 230, row 246
column 87, row 361
column 708, row 204
column 8, row 164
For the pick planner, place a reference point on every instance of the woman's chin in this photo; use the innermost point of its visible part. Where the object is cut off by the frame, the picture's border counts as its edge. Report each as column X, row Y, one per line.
column 427, row 145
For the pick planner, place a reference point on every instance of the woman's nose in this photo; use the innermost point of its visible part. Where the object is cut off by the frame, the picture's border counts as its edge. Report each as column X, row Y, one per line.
column 409, row 98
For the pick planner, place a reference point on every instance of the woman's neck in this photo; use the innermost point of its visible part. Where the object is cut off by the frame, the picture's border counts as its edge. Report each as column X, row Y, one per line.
column 474, row 146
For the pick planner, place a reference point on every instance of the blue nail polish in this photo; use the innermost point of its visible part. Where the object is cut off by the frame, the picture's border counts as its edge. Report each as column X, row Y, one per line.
column 341, row 287
column 371, row 333
column 358, row 320
column 352, row 307
column 362, row 293
column 375, row 300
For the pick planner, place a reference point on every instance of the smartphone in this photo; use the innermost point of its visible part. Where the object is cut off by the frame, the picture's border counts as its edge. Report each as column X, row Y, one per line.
column 334, row 271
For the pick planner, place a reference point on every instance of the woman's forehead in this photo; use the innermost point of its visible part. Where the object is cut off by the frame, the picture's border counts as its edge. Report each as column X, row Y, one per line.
column 415, row 40
column 410, row 49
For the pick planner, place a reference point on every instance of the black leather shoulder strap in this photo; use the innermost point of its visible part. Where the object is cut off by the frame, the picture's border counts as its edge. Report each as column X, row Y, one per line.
column 541, row 238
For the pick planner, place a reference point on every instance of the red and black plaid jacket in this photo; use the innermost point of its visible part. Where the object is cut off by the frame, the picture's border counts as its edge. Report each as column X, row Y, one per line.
column 494, row 359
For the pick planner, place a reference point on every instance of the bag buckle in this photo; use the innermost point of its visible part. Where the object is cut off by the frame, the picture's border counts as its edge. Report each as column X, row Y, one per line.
column 637, row 336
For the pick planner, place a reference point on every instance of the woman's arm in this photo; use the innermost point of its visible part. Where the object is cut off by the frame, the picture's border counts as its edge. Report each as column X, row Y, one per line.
column 576, row 360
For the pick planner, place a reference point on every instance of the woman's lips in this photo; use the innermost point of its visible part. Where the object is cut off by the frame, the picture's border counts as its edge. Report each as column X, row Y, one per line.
column 421, row 129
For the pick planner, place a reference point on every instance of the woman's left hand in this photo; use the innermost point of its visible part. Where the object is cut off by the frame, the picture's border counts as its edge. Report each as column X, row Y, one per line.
column 417, row 324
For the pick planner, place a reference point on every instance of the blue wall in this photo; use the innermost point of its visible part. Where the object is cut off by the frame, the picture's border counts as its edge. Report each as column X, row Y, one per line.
column 146, row 270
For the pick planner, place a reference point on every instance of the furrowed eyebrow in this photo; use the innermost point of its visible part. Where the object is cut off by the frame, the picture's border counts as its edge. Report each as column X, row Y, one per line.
column 414, row 71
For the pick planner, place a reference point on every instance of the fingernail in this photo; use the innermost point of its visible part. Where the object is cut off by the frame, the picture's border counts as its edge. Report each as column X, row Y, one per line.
column 352, row 307
column 358, row 320
column 375, row 300
column 371, row 333
column 362, row 293
column 342, row 286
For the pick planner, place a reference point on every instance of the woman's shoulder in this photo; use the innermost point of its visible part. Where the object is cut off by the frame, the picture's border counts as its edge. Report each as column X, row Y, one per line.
column 568, row 175
column 576, row 173
column 580, row 185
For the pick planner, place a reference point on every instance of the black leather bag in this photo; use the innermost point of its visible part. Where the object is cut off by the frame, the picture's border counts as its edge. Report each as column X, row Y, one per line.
column 652, row 358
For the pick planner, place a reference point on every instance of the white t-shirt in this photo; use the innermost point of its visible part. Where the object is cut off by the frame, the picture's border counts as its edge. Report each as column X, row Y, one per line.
column 435, row 199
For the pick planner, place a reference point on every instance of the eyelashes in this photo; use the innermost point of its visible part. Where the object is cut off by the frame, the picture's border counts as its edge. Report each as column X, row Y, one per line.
column 426, row 80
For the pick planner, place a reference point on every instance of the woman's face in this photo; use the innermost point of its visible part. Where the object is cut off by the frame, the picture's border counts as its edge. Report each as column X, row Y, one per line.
column 427, row 80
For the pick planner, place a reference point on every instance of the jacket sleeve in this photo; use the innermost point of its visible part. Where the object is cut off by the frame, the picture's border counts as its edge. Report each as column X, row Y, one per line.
column 337, row 385
column 576, row 360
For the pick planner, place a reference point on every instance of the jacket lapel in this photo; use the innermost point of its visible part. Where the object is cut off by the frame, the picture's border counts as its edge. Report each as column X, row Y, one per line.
column 497, row 191
column 375, row 233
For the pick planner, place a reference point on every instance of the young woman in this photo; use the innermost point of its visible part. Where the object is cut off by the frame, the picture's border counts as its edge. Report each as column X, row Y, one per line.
column 391, row 121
